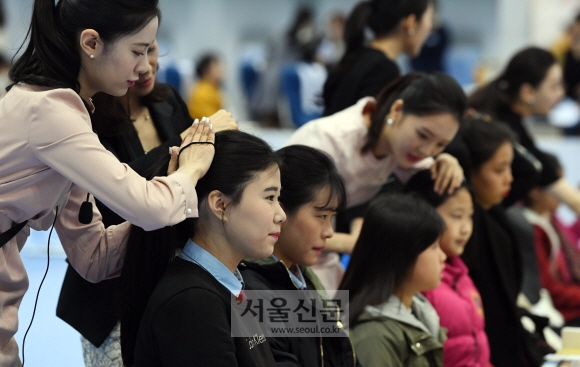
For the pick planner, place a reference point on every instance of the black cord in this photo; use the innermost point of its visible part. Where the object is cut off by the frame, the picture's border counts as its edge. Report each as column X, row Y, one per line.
column 190, row 144
column 40, row 286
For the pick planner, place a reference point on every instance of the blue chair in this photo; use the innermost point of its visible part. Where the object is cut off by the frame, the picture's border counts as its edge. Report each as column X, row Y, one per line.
column 460, row 63
column 290, row 87
column 344, row 260
column 249, row 76
column 173, row 77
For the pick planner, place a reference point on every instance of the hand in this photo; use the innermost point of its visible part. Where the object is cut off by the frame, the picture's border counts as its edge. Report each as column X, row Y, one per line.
column 447, row 173
column 221, row 120
column 195, row 159
column 356, row 226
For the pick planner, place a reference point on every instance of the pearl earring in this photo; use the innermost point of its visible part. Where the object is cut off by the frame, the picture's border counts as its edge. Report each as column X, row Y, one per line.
column 92, row 56
column 390, row 122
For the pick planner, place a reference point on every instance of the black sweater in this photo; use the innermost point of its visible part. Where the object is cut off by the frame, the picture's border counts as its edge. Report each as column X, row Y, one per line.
column 294, row 351
column 364, row 74
column 187, row 322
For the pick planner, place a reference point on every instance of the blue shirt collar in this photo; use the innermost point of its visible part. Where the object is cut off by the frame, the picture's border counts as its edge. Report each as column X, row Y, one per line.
column 194, row 253
column 298, row 281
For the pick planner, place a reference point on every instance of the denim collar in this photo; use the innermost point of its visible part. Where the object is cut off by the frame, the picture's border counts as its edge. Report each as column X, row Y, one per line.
column 194, row 253
column 299, row 280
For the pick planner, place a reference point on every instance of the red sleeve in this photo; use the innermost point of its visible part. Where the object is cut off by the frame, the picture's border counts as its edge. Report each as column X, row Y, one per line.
column 564, row 295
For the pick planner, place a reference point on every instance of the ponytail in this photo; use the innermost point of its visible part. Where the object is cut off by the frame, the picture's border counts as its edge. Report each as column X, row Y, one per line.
column 423, row 95
column 355, row 27
column 48, row 59
column 51, row 58
column 529, row 66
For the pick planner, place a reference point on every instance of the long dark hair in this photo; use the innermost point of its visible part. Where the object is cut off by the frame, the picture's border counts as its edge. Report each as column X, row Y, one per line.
column 305, row 171
column 421, row 185
column 382, row 17
column 423, row 95
column 303, row 15
column 238, row 158
column 396, row 229
column 529, row 66
column 52, row 58
column 482, row 138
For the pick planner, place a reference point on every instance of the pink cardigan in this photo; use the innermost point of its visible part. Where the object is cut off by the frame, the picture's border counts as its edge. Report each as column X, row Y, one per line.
column 458, row 303
column 49, row 157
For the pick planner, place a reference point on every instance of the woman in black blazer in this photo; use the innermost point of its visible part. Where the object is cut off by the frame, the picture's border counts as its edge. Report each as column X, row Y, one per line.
column 138, row 128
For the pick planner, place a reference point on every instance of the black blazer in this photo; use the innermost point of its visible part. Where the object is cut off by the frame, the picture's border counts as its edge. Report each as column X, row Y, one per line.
column 292, row 351
column 493, row 258
column 93, row 309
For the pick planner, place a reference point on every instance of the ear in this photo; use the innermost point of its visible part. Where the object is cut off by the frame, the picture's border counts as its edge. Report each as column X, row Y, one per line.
column 409, row 25
column 396, row 112
column 90, row 42
column 527, row 94
column 218, row 203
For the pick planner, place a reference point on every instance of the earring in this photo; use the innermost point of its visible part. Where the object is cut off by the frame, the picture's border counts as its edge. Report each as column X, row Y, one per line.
column 411, row 32
column 92, row 56
column 390, row 122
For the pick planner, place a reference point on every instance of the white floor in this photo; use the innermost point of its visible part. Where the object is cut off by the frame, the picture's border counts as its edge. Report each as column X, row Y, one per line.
column 51, row 342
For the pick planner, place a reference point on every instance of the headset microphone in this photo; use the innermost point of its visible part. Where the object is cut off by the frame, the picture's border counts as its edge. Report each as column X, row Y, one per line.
column 86, row 212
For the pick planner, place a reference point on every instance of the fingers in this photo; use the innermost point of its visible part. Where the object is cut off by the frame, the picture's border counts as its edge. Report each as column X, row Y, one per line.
column 203, row 137
column 434, row 168
column 440, row 181
column 448, row 179
column 456, row 183
column 195, row 157
column 190, row 133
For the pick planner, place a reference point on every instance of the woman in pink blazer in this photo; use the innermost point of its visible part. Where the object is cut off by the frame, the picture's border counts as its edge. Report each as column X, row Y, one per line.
column 50, row 159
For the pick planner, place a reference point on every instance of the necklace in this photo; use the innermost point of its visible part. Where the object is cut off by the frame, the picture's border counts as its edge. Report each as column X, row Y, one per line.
column 145, row 115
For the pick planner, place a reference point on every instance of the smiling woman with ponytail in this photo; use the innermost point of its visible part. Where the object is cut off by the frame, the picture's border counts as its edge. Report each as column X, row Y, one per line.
column 397, row 26
column 50, row 158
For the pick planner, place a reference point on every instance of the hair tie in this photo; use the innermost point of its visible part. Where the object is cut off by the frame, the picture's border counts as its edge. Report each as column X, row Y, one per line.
column 190, row 144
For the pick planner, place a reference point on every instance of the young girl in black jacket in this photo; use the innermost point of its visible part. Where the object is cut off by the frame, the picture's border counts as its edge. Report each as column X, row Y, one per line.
column 313, row 192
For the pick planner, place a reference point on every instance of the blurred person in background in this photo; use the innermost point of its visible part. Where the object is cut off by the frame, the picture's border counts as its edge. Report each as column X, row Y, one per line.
column 398, row 26
column 431, row 57
column 205, row 97
column 283, row 49
column 332, row 46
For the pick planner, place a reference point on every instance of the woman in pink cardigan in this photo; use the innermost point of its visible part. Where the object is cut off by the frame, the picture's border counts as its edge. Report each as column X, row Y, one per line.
column 456, row 300
column 50, row 159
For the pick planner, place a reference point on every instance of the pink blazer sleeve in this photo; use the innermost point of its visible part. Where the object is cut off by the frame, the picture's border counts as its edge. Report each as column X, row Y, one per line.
column 94, row 251
column 61, row 137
